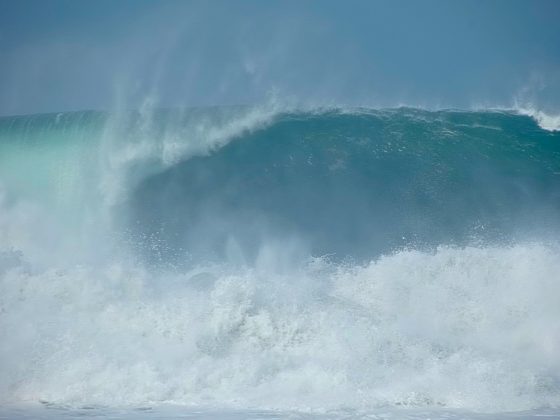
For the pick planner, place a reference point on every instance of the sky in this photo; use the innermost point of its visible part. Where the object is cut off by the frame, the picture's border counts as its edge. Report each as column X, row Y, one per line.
column 62, row 55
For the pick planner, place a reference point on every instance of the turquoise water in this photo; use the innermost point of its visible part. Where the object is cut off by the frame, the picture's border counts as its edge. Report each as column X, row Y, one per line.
column 301, row 261
column 346, row 183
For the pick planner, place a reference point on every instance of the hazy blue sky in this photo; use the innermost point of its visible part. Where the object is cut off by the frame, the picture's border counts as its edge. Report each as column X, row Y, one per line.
column 63, row 55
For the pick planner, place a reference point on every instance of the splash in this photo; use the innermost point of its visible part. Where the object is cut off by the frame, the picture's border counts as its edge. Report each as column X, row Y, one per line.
column 545, row 120
column 280, row 259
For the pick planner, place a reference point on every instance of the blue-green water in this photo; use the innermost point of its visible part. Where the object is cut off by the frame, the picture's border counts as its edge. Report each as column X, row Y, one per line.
column 257, row 258
column 359, row 184
column 350, row 184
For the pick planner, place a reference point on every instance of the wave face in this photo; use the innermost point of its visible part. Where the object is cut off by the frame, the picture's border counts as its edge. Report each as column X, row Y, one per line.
column 308, row 260
column 359, row 185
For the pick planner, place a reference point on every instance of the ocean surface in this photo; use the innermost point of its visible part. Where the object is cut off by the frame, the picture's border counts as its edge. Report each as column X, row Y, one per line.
column 258, row 262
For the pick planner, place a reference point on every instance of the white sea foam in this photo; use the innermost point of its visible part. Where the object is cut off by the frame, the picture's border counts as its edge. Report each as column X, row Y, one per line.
column 545, row 120
column 465, row 328
column 473, row 328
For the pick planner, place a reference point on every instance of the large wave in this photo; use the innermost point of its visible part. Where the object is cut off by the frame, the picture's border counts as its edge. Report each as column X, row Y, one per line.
column 281, row 259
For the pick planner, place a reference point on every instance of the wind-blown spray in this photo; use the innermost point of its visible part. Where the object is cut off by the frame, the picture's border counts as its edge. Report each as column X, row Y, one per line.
column 282, row 259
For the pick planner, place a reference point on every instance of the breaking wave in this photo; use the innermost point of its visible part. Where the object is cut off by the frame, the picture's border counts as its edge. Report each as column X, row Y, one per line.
column 260, row 257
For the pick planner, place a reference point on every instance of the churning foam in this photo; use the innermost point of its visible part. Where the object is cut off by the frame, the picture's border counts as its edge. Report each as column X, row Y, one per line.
column 470, row 327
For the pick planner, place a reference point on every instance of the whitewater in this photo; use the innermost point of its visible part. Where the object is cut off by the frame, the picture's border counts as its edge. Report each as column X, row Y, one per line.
column 252, row 262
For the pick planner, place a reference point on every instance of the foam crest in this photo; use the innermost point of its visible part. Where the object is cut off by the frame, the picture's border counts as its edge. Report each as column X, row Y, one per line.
column 135, row 146
column 62, row 177
column 545, row 120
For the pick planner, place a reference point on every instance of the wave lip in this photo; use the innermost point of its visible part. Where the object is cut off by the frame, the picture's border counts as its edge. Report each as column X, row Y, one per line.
column 546, row 121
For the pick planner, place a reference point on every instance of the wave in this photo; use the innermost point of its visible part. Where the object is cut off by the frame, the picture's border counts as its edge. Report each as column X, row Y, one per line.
column 67, row 172
column 275, row 258
column 355, row 184
column 545, row 120
column 468, row 328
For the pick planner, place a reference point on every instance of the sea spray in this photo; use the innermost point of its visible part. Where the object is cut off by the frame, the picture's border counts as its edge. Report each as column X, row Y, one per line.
column 471, row 328
column 273, row 258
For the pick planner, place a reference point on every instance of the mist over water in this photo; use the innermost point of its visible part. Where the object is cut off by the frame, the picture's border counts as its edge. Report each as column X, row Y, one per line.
column 320, row 209
column 280, row 259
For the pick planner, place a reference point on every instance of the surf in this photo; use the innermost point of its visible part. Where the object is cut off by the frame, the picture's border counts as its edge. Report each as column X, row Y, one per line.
column 286, row 259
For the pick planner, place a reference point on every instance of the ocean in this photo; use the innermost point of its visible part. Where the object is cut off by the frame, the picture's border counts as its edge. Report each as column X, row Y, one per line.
column 266, row 262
